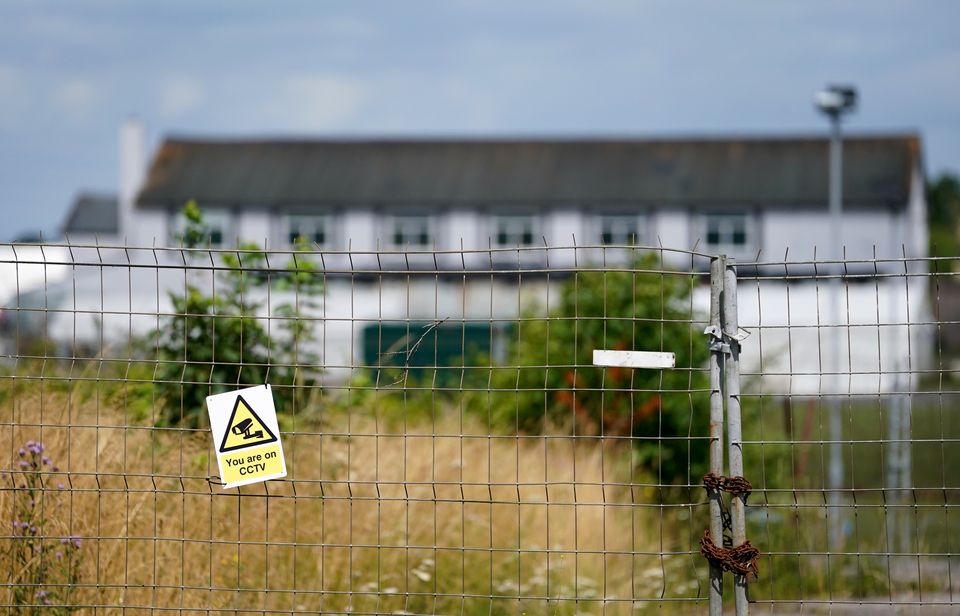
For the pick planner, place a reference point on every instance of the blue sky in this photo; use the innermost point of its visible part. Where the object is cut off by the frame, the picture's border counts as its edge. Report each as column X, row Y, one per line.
column 70, row 72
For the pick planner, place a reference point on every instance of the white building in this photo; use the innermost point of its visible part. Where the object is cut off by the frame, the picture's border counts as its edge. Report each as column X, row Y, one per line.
column 743, row 197
column 755, row 199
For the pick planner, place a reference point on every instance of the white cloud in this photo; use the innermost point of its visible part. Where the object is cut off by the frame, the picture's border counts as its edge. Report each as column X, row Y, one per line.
column 929, row 78
column 77, row 31
column 13, row 95
column 350, row 28
column 75, row 96
column 180, row 94
column 321, row 28
column 320, row 101
column 457, row 102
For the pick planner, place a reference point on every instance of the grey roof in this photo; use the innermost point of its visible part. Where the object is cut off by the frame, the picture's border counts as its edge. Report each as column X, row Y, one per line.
column 93, row 213
column 761, row 171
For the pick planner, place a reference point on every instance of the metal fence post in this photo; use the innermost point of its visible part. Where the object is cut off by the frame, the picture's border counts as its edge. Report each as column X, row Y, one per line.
column 717, row 266
column 738, row 503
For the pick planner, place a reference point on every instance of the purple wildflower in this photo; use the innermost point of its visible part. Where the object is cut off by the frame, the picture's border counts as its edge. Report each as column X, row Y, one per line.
column 23, row 464
column 60, row 486
column 77, row 542
column 59, row 555
column 46, row 461
column 55, row 469
column 42, row 594
column 22, row 452
column 65, row 541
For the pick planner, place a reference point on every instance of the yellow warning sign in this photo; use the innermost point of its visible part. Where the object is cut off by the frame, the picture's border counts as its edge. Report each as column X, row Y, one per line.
column 246, row 436
column 245, row 429
column 242, row 465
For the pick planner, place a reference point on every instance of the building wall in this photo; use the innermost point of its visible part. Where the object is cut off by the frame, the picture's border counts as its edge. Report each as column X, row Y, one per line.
column 802, row 232
column 94, row 239
column 462, row 224
column 917, row 233
column 774, row 233
column 563, row 225
column 152, row 227
column 257, row 226
column 786, row 341
column 881, row 333
column 672, row 229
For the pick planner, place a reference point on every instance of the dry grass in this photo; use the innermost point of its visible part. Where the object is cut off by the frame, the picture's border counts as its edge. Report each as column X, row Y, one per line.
column 394, row 518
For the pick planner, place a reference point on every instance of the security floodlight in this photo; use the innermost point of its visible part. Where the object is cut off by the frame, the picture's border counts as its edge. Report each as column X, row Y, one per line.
column 836, row 100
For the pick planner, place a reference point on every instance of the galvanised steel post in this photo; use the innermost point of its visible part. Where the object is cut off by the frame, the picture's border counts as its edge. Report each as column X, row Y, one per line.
column 835, row 423
column 731, row 370
column 834, row 102
column 717, row 266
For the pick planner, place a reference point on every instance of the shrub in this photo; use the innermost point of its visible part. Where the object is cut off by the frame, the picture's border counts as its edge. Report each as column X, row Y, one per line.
column 217, row 338
column 551, row 379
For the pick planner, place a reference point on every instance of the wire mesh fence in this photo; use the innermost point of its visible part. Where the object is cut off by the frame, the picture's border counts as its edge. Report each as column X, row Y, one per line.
column 452, row 448
column 853, row 384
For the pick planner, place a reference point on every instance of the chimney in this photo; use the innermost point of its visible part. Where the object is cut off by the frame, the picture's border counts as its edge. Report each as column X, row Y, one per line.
column 133, row 163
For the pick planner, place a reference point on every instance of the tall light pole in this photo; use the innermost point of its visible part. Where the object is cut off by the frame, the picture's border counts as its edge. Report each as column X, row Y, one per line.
column 835, row 101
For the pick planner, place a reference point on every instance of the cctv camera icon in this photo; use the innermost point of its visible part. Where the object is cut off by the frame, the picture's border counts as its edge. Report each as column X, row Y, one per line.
column 244, row 428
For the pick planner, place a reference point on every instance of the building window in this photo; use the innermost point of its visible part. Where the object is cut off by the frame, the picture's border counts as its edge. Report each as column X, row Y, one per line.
column 512, row 231
column 216, row 223
column 313, row 229
column 728, row 233
column 620, row 230
column 411, row 230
